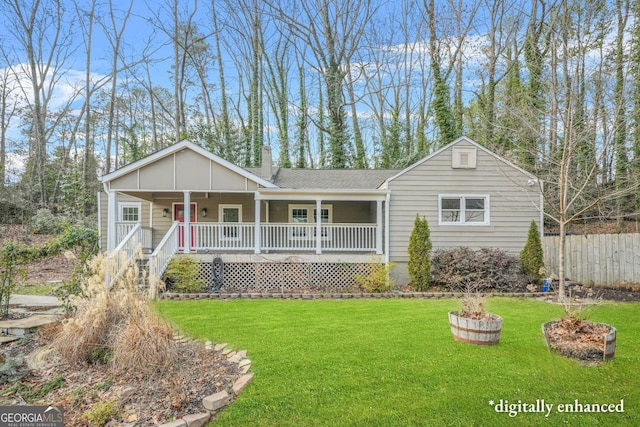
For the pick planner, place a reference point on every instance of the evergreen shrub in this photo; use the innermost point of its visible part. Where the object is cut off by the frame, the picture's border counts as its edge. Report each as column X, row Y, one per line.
column 420, row 245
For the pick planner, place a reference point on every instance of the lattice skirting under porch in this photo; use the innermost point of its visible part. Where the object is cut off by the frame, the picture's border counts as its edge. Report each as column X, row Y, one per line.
column 288, row 276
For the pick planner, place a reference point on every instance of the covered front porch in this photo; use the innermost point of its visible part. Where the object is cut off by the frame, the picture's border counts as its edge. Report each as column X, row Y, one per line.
column 258, row 222
column 184, row 199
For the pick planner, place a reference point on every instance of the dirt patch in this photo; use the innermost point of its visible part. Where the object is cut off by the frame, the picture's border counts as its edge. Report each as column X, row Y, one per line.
column 621, row 293
column 143, row 401
column 55, row 268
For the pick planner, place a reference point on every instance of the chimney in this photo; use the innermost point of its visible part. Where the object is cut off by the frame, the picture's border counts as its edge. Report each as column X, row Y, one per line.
column 266, row 169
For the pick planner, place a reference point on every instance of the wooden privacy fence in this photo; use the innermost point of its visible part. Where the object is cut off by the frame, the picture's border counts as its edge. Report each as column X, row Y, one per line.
column 596, row 259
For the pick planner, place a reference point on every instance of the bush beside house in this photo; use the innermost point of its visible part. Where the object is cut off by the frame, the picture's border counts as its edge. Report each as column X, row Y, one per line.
column 420, row 245
column 487, row 270
column 532, row 256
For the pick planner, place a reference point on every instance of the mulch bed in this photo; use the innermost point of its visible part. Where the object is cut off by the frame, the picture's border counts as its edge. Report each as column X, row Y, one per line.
column 143, row 401
column 577, row 338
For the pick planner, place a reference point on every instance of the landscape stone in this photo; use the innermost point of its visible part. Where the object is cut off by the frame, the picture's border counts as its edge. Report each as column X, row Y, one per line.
column 197, row 420
column 219, row 347
column 126, row 392
column 216, row 401
column 227, row 351
column 176, row 423
column 243, row 353
column 235, row 358
column 242, row 382
column 244, row 362
column 245, row 368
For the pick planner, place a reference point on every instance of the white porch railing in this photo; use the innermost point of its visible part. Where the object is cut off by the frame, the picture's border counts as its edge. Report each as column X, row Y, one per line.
column 122, row 255
column 349, row 237
column 160, row 258
column 333, row 237
column 216, row 235
column 283, row 237
column 123, row 228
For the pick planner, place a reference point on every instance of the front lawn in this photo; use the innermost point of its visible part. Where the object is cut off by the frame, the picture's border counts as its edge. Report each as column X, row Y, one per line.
column 394, row 363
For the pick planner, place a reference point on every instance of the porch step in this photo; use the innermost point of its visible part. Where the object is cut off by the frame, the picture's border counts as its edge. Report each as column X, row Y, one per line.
column 143, row 269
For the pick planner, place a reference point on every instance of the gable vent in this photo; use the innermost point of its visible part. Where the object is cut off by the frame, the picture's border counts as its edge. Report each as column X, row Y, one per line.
column 463, row 158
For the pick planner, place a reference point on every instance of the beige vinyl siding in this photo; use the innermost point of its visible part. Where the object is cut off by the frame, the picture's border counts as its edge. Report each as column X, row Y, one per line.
column 513, row 204
column 184, row 170
column 209, row 201
column 343, row 212
column 145, row 212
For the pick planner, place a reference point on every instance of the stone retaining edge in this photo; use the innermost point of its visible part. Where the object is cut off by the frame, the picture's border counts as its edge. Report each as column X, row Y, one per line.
column 214, row 403
column 338, row 295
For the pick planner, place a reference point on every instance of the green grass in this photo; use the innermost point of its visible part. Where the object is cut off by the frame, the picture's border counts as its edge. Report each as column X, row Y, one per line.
column 33, row 289
column 395, row 363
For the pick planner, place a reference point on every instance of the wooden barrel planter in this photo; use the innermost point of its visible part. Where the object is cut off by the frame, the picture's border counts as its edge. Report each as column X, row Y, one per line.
column 474, row 331
column 604, row 350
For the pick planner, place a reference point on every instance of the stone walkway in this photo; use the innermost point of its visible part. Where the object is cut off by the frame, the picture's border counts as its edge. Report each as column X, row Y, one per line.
column 40, row 310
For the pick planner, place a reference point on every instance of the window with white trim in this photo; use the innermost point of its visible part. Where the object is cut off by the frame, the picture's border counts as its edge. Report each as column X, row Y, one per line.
column 230, row 213
column 463, row 209
column 306, row 214
column 129, row 212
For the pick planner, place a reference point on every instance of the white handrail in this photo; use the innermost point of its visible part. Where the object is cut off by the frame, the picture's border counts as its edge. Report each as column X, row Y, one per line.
column 160, row 258
column 122, row 255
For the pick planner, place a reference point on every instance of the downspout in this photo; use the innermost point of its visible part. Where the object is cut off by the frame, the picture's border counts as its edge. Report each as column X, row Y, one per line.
column 99, row 199
column 541, row 209
column 111, row 217
column 386, row 226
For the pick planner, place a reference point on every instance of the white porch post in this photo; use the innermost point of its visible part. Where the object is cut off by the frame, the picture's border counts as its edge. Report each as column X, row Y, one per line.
column 256, row 227
column 379, row 227
column 318, row 226
column 187, row 222
column 112, row 213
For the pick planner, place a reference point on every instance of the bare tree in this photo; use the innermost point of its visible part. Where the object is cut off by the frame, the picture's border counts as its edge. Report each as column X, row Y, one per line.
column 43, row 36
column 114, row 31
column 332, row 30
column 8, row 107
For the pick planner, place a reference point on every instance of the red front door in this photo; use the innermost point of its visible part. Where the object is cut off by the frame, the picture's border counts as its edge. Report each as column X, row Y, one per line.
column 178, row 215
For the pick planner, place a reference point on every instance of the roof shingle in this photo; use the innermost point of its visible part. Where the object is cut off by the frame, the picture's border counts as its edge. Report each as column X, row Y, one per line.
column 339, row 179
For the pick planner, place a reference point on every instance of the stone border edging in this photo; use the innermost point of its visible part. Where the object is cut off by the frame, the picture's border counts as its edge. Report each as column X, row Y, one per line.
column 217, row 401
column 340, row 295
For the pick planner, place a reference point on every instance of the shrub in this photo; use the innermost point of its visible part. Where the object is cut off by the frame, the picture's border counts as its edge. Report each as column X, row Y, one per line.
column 45, row 222
column 419, row 265
column 182, row 275
column 378, row 279
column 12, row 368
column 484, row 270
column 532, row 257
column 101, row 413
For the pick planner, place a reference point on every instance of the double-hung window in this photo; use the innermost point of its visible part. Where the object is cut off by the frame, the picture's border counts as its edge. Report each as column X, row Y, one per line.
column 230, row 214
column 463, row 209
column 129, row 212
column 306, row 214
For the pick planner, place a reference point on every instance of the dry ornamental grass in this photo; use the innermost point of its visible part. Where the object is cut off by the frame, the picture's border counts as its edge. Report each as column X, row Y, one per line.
column 115, row 341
